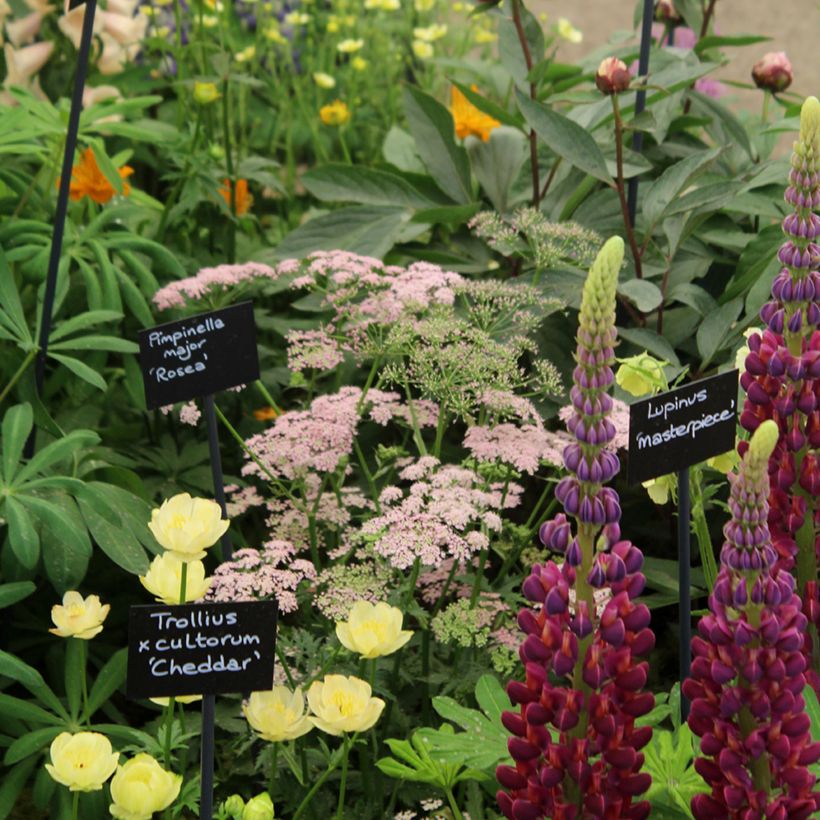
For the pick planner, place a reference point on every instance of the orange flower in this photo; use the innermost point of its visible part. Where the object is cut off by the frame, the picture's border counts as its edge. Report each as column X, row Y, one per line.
column 265, row 414
column 88, row 180
column 243, row 199
column 469, row 119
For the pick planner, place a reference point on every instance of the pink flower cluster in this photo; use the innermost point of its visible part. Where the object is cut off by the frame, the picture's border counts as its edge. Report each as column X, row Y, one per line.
column 441, row 516
column 257, row 574
column 313, row 350
column 522, row 447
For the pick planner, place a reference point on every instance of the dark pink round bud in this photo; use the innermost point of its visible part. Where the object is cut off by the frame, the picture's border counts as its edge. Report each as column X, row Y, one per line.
column 612, row 76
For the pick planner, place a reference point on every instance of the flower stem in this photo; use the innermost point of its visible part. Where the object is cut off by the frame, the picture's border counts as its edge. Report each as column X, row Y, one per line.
column 525, row 48
column 84, row 677
column 268, row 398
column 343, row 784
column 374, row 493
column 619, row 184
column 274, row 764
column 230, row 251
column 75, row 806
column 457, row 815
column 312, row 793
column 707, row 555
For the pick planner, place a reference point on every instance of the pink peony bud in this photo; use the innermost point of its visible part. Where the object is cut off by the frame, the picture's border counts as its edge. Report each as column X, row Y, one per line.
column 773, row 72
column 613, row 76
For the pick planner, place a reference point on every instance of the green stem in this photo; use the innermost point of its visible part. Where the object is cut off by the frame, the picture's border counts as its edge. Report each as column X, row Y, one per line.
column 84, row 670
column 231, row 249
column 457, row 815
column 268, row 398
column 536, row 509
column 533, row 137
column 274, row 764
column 343, row 784
column 312, row 793
column 374, row 493
column 619, row 184
column 478, row 577
column 440, row 428
column 75, row 806
column 701, row 528
column 411, row 587
column 30, row 356
column 285, row 666
column 368, row 384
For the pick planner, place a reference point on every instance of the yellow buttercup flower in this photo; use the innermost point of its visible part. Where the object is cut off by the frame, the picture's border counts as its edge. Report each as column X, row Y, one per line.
column 205, row 93
column 422, row 50
column 659, row 489
column 278, row 714
column 470, row 120
column 78, row 617
column 343, row 704
column 568, row 31
column 275, row 36
column 383, row 5
column 246, row 54
column 333, row 26
column 295, row 18
column 188, row 526
column 359, row 64
column 349, row 46
column 82, row 761
column 725, row 462
column 431, row 33
column 323, row 80
column 142, row 787
column 164, row 579
column 373, row 630
column 641, row 375
column 258, row 808
column 335, row 113
column 209, row 21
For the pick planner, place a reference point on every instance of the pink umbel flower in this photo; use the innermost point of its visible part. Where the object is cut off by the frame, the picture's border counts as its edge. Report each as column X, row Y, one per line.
column 574, row 741
column 313, row 350
column 747, row 674
column 212, row 281
column 524, row 448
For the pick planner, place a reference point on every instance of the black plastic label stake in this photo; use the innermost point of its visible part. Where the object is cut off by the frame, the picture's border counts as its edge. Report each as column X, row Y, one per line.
column 200, row 355
column 683, row 427
column 197, row 649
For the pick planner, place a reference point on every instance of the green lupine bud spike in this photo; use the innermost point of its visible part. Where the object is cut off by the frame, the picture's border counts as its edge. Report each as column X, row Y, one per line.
column 598, row 300
column 810, row 122
column 761, row 447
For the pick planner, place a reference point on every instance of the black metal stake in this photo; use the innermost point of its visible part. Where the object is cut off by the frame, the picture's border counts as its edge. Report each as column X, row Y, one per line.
column 684, row 584
column 62, row 201
column 640, row 101
column 206, row 799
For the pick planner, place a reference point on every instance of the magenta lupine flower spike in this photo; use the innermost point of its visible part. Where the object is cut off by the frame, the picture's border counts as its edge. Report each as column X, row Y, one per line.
column 747, row 673
column 575, row 745
column 782, row 373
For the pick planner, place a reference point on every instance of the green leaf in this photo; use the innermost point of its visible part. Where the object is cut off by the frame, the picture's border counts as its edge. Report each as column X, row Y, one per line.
column 12, row 307
column 649, row 341
column 399, row 149
column 716, row 330
column 27, row 711
column 30, row 743
column 565, row 138
column 509, row 45
column 12, row 667
column 16, row 591
column 108, row 680
column 105, row 164
column 366, row 229
column 364, row 186
column 55, row 452
column 83, row 321
column 716, row 41
column 111, row 343
column 672, row 182
column 447, row 214
column 668, row 759
column 12, row 785
column 111, row 534
column 23, row 538
column 434, row 132
column 80, row 369
column 646, row 295
column 693, row 296
column 497, row 162
column 492, row 697
column 732, row 125
column 17, row 424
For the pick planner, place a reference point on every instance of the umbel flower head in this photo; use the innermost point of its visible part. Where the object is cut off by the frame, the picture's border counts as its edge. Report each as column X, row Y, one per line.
column 187, row 526
column 373, row 630
column 747, row 673
column 141, row 787
column 82, row 761
column 575, row 744
column 782, row 370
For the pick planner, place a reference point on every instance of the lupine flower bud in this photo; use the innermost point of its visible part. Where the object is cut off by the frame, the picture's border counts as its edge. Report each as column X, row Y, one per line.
column 773, row 72
column 612, row 76
column 747, row 672
column 578, row 737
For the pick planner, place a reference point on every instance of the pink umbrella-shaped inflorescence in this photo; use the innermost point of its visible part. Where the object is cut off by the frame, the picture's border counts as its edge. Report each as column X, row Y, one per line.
column 782, row 373
column 575, row 744
column 748, row 670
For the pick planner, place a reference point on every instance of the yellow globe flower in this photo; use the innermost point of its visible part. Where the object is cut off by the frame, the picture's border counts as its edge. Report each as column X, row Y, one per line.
column 359, row 64
column 373, row 630
column 568, row 31
column 78, row 617
column 178, row 699
column 188, row 526
column 424, row 5
column 431, row 33
column 246, row 54
column 164, row 579
column 82, row 761
column 641, row 375
column 484, row 35
column 335, row 113
column 323, row 80
column 349, row 46
column 422, row 50
column 278, row 714
column 205, row 93
column 142, row 787
column 341, row 704
column 258, row 808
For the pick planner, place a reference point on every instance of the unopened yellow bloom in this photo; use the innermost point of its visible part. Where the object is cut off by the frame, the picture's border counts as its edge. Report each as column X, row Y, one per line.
column 335, row 113
column 725, row 462
column 470, row 120
column 641, row 375
column 431, row 33
column 82, row 761
column 258, row 808
column 177, row 698
column 359, row 64
column 205, row 93
column 278, row 714
column 246, row 54
column 323, row 80
column 349, row 46
column 343, row 704
column 332, row 26
column 188, row 526
column 78, row 617
column 568, row 31
column 373, row 630
column 422, row 50
column 484, row 35
column 142, row 787
column 164, row 579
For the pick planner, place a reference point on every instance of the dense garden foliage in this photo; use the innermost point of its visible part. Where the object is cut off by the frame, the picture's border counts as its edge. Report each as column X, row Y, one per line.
column 466, row 258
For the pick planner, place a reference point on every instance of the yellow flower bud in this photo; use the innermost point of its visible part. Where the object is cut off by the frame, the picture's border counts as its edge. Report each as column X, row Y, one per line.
column 372, row 630
column 278, row 714
column 641, row 375
column 246, row 54
column 164, row 579
column 78, row 617
column 568, row 32
column 259, row 808
column 422, row 50
column 323, row 80
column 82, row 761
column 178, row 698
column 333, row 26
column 431, row 33
column 188, row 526
column 205, row 93
column 359, row 64
column 142, row 787
column 810, row 121
column 343, row 704
column 335, row 113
